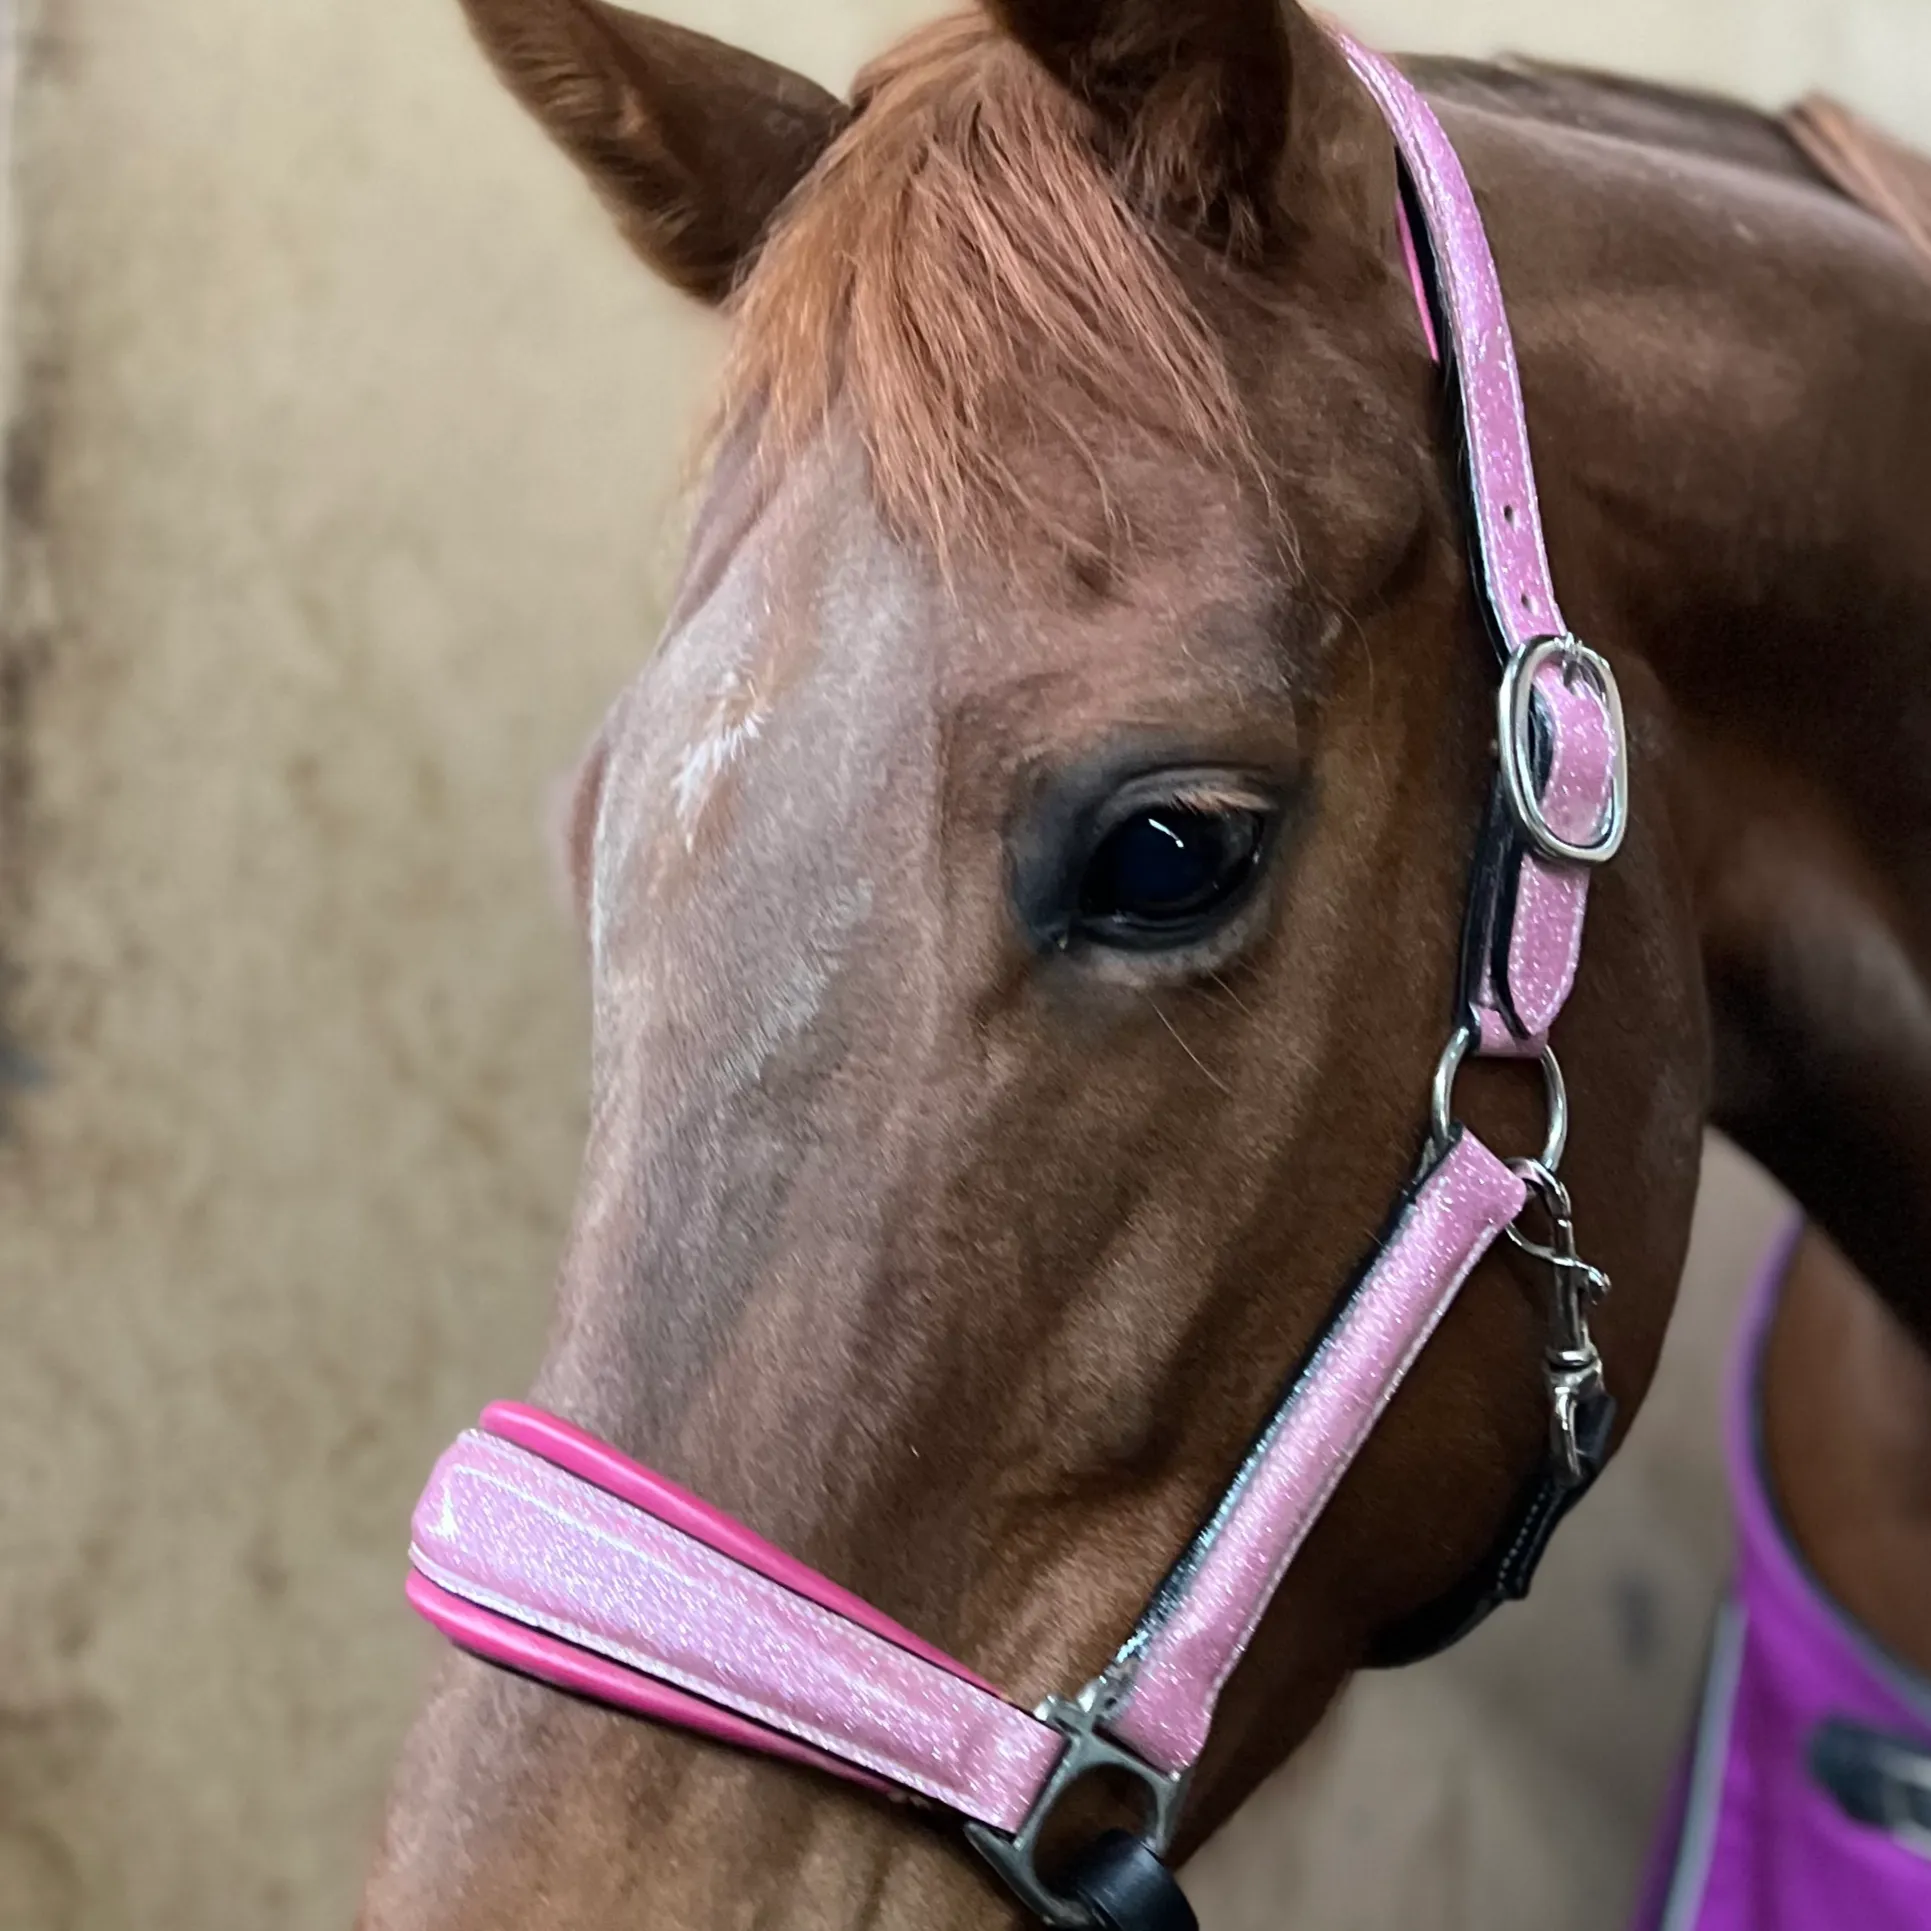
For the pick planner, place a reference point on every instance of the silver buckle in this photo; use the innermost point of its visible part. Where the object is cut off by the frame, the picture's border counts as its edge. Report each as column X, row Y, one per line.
column 1516, row 712
column 1014, row 1857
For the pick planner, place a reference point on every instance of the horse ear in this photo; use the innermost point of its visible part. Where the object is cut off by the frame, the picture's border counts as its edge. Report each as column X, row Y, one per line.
column 1192, row 94
column 1230, row 117
column 692, row 145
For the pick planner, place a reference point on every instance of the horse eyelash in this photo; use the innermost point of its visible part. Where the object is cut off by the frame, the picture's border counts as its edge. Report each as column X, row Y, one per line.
column 1211, row 795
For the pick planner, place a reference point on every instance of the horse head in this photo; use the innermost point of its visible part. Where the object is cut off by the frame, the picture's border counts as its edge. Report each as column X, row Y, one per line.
column 1023, row 895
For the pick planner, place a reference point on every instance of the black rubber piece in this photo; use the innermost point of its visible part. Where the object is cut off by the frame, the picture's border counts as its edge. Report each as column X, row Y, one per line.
column 1882, row 1782
column 1127, row 1888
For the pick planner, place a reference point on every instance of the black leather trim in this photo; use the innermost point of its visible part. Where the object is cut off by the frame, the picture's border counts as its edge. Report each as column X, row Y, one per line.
column 1495, row 882
column 1454, row 417
column 1490, row 916
column 1127, row 1888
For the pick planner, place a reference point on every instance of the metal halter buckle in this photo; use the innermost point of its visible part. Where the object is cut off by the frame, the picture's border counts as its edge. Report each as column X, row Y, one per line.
column 1573, row 1363
column 1448, row 1070
column 1015, row 1857
column 1516, row 709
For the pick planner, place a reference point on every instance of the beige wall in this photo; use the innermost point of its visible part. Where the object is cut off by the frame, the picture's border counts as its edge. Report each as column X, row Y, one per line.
column 340, row 500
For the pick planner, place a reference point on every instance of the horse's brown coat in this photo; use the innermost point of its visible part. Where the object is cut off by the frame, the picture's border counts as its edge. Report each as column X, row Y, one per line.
column 1848, row 1430
column 965, row 1267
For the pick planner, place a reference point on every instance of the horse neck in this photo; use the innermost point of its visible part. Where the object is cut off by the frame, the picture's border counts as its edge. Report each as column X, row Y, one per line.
column 1728, row 372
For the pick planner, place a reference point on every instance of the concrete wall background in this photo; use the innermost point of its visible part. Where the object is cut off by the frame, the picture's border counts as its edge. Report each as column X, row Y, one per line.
column 340, row 497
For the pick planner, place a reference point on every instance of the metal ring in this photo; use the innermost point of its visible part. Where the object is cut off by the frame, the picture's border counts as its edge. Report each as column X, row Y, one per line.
column 1544, row 1187
column 1515, row 736
column 1556, row 1088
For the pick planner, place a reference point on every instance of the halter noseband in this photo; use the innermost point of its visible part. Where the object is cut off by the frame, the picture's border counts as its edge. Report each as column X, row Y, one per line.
column 544, row 1551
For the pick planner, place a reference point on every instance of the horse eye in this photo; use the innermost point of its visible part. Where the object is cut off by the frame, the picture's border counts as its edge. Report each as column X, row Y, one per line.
column 1165, row 874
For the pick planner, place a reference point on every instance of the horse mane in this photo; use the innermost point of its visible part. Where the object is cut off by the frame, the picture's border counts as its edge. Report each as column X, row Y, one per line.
column 962, row 275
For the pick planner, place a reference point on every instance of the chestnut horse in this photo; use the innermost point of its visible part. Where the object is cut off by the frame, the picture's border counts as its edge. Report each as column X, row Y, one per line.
column 967, row 1165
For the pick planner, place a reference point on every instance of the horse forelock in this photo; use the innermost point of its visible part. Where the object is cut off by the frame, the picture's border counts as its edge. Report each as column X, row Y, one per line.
column 965, row 276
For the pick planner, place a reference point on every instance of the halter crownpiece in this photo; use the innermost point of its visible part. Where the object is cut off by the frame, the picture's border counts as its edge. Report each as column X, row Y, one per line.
column 540, row 1549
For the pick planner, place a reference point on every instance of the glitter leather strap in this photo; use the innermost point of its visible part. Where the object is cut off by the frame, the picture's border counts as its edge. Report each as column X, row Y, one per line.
column 1199, row 1626
column 1531, row 906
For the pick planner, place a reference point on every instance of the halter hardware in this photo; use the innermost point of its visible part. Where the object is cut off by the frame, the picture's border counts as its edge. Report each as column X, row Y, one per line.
column 1516, row 742
column 1573, row 1363
column 1448, row 1070
column 1015, row 1856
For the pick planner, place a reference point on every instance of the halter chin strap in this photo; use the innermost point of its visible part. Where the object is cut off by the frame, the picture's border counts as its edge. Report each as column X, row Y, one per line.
column 545, row 1551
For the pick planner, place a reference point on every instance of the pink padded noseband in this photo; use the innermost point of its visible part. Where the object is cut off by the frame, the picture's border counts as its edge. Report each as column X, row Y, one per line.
column 548, row 1552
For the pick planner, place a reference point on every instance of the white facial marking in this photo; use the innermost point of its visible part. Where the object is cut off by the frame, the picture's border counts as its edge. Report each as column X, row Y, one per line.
column 795, row 1003
column 738, row 718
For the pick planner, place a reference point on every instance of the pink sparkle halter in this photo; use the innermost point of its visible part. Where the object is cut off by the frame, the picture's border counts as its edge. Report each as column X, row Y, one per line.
column 547, row 1552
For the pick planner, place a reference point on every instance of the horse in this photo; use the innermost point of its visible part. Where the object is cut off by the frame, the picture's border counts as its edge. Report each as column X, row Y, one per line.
column 1022, row 892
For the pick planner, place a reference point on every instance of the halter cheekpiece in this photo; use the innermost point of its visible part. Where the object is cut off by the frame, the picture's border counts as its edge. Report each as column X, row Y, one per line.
column 544, row 1551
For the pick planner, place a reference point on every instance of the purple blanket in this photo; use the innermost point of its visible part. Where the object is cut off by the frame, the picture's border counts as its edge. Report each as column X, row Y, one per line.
column 1806, row 1802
